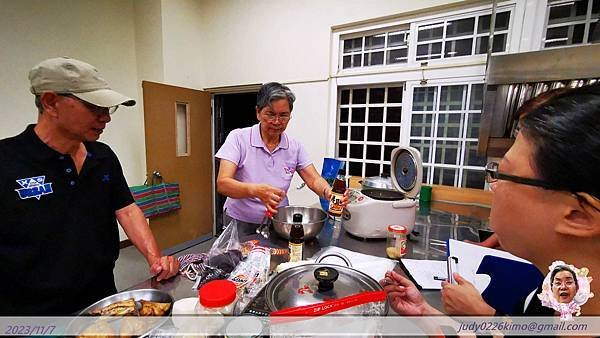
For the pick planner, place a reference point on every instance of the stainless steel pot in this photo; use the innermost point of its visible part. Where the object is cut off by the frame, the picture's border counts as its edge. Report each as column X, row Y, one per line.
column 313, row 220
column 301, row 285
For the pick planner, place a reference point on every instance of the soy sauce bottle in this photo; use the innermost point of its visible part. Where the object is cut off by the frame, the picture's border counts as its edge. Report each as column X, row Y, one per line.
column 337, row 195
column 296, row 238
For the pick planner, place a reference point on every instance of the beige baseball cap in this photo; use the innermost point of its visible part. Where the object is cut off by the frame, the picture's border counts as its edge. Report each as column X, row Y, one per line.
column 65, row 75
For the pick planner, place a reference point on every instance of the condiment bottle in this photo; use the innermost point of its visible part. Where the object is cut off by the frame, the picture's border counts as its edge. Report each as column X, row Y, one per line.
column 217, row 297
column 396, row 241
column 336, row 206
column 296, row 238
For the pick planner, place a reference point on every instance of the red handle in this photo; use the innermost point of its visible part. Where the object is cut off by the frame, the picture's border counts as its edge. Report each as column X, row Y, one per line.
column 268, row 214
column 324, row 308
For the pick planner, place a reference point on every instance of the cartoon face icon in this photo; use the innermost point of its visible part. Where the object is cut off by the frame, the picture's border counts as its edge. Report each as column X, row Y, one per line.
column 564, row 284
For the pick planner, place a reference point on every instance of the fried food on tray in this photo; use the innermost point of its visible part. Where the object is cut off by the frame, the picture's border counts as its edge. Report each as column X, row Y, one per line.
column 128, row 308
column 99, row 329
column 123, row 308
column 153, row 308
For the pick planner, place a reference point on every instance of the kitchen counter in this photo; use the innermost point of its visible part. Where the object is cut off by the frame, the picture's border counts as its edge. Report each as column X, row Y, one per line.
column 430, row 224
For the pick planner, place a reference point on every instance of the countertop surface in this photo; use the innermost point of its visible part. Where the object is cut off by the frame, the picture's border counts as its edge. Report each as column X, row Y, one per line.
column 431, row 224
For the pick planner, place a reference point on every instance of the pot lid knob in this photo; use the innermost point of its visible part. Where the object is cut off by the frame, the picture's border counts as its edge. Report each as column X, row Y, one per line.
column 326, row 276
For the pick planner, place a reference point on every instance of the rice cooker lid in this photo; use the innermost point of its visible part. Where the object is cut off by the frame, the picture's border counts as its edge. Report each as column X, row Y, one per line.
column 407, row 170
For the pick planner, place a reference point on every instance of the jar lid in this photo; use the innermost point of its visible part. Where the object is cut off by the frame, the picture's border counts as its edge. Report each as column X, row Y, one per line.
column 217, row 293
column 397, row 229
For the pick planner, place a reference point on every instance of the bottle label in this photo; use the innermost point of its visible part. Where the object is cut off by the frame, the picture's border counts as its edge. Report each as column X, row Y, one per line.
column 295, row 252
column 336, row 204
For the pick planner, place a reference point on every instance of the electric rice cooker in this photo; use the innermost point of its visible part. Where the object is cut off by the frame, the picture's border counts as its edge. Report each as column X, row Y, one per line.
column 371, row 210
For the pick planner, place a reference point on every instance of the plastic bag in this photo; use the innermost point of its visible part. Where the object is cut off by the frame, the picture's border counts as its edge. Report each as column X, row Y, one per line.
column 252, row 274
column 225, row 253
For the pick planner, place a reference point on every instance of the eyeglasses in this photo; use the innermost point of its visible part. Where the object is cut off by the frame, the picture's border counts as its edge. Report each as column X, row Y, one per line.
column 272, row 117
column 493, row 175
column 96, row 110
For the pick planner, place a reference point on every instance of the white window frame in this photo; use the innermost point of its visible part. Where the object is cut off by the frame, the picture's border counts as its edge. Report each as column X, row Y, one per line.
column 461, row 154
column 365, row 142
column 399, row 28
column 587, row 22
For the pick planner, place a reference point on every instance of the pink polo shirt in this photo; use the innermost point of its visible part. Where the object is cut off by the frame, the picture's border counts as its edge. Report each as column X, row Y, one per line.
column 256, row 164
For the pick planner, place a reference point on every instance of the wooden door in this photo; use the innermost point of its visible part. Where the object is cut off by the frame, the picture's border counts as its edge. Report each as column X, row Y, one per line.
column 178, row 145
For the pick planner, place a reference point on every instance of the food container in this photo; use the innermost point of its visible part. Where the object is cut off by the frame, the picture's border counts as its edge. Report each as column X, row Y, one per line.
column 370, row 211
column 384, row 181
column 217, row 298
column 313, row 220
column 396, row 241
column 308, row 284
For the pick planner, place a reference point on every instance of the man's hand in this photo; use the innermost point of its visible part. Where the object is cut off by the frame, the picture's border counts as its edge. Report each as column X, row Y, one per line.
column 164, row 267
column 269, row 196
column 490, row 242
column 464, row 299
column 404, row 296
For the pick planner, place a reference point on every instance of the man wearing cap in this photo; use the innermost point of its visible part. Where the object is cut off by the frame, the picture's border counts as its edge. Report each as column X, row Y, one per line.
column 61, row 194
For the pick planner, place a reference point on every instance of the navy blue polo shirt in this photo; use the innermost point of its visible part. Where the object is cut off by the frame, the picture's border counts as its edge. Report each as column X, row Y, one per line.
column 58, row 231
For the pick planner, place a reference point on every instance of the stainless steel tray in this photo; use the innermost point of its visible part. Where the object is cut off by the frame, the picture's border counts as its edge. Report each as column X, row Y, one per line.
column 145, row 294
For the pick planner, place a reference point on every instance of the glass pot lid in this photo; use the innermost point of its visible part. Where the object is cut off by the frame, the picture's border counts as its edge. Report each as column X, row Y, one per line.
column 315, row 283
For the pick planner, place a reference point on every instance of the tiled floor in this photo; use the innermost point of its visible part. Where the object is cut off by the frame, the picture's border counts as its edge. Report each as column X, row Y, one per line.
column 131, row 268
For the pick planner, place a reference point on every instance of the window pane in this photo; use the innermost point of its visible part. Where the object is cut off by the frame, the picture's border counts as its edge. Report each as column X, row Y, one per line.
column 502, row 20
column 397, row 56
column 392, row 134
column 564, row 35
column 394, row 95
column 394, row 115
column 596, row 7
column 343, row 133
column 449, row 125
column 345, row 96
column 355, row 168
column 446, row 152
column 473, row 179
column 476, row 100
column 424, row 147
column 444, row 176
column 372, row 169
column 342, row 150
column 397, row 38
column 375, row 114
column 347, row 62
column 575, row 10
column 426, row 174
column 423, row 98
column 387, row 152
column 483, row 42
column 344, row 115
column 353, row 45
column 471, row 157
column 356, row 151
column 386, row 168
column 430, row 32
column 373, row 152
column 359, row 96
column 473, row 121
column 458, row 47
column 460, row 27
column 421, row 125
column 375, row 41
column 358, row 115
column 376, row 95
column 374, row 59
column 594, row 36
column 451, row 97
column 429, row 51
column 357, row 133
column 374, row 134
column 356, row 60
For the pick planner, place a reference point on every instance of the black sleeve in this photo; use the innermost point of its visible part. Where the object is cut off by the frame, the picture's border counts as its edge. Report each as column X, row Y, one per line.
column 120, row 195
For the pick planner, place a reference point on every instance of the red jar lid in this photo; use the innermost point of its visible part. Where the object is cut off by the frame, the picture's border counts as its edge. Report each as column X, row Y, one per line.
column 397, row 229
column 217, row 293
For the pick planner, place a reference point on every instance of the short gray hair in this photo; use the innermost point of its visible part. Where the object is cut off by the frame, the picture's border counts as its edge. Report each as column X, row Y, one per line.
column 273, row 91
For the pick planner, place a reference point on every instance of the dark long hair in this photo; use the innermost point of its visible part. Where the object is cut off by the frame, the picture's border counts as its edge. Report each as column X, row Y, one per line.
column 564, row 128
